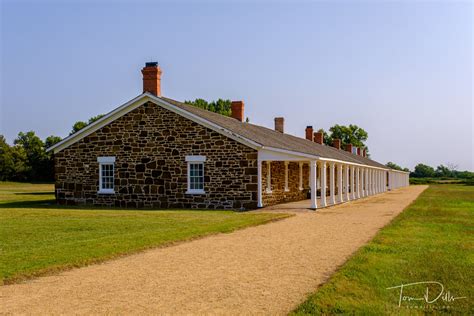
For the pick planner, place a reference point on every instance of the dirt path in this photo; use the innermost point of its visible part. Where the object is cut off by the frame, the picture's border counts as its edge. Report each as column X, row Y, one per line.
column 267, row 269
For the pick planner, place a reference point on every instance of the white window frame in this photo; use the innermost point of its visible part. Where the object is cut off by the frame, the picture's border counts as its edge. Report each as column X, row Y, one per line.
column 106, row 161
column 195, row 160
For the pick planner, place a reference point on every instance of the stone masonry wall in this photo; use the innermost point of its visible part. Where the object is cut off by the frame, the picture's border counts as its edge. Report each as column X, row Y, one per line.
column 278, row 194
column 149, row 145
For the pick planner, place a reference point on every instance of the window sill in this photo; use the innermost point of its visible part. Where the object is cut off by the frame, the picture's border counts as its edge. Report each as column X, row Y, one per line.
column 106, row 192
column 195, row 192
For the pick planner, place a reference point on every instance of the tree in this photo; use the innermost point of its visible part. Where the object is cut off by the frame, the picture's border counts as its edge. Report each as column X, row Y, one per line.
column 393, row 165
column 51, row 141
column 49, row 161
column 13, row 162
column 81, row 124
column 351, row 134
column 423, row 171
column 7, row 166
column 35, row 154
column 220, row 106
column 396, row 167
column 443, row 171
column 22, row 169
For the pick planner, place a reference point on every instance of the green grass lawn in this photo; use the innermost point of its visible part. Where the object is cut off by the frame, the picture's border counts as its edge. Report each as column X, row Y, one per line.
column 38, row 237
column 432, row 240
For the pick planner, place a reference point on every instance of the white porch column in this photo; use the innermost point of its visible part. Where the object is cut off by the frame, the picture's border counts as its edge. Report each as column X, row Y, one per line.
column 384, row 181
column 301, row 176
column 323, row 183
column 309, row 178
column 286, row 176
column 373, row 182
column 312, row 183
column 390, row 180
column 367, row 182
column 259, row 184
column 269, row 177
column 332, row 184
column 378, row 181
column 357, row 187
column 339, row 182
column 353, row 196
column 318, row 179
column 369, row 191
column 346, row 183
column 362, row 182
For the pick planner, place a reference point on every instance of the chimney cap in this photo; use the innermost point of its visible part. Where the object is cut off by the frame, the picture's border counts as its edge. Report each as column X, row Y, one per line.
column 151, row 64
column 309, row 126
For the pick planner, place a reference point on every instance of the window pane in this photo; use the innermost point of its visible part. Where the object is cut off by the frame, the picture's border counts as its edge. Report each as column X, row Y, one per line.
column 196, row 176
column 107, row 176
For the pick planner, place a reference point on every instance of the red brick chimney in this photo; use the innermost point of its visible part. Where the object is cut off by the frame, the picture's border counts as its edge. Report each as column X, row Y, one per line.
column 349, row 148
column 358, row 151
column 319, row 137
column 152, row 78
column 309, row 133
column 279, row 124
column 336, row 143
column 237, row 108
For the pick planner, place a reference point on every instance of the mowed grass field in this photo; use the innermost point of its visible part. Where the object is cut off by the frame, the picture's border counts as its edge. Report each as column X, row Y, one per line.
column 38, row 237
column 432, row 240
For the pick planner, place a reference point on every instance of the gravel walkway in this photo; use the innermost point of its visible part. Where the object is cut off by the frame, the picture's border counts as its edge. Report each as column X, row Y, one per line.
column 267, row 269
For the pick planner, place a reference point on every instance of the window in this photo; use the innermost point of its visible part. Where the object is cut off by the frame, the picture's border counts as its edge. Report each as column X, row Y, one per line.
column 106, row 174
column 195, row 174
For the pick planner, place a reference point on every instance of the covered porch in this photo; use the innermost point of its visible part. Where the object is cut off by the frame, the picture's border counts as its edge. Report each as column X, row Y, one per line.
column 291, row 177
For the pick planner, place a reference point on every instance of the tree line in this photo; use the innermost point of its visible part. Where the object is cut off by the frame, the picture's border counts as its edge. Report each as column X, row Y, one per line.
column 446, row 172
column 441, row 172
column 27, row 159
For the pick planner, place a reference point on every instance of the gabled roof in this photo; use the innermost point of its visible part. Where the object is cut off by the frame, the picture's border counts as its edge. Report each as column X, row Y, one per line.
column 270, row 138
column 255, row 136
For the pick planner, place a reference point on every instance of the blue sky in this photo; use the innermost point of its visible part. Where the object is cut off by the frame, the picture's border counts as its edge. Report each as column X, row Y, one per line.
column 401, row 70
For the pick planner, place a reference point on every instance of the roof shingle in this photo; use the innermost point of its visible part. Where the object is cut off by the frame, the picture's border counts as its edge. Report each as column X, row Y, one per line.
column 271, row 138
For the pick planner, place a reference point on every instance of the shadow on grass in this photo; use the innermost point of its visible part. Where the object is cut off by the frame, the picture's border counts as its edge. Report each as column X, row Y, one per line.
column 30, row 204
column 34, row 193
column 52, row 204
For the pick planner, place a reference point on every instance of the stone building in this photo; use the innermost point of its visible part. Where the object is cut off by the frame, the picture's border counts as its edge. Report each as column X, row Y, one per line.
column 155, row 152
